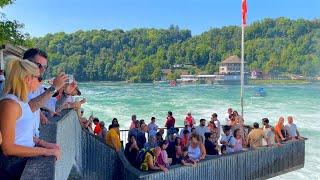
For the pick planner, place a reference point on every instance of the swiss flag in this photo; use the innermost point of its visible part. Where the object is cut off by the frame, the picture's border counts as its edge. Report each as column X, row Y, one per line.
column 244, row 12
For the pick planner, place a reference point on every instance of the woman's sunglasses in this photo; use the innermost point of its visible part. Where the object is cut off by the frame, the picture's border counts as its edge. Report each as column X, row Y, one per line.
column 39, row 78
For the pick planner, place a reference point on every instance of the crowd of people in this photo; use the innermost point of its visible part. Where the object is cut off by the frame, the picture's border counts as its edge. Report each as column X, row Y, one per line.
column 149, row 148
column 26, row 103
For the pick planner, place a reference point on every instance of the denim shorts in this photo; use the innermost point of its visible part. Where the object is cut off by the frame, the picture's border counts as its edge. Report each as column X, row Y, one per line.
column 11, row 167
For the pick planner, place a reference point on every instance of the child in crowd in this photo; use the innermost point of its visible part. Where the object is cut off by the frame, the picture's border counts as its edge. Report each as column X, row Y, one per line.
column 178, row 150
column 185, row 160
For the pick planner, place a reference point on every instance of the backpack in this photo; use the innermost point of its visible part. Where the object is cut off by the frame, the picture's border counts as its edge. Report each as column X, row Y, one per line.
column 140, row 157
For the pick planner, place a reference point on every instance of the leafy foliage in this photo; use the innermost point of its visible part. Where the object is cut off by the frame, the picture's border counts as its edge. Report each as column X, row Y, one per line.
column 10, row 30
column 275, row 46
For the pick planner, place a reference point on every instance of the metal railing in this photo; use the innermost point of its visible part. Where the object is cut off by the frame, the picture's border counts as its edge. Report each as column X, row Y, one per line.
column 84, row 156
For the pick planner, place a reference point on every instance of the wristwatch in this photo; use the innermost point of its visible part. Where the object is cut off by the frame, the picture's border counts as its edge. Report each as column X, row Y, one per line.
column 51, row 89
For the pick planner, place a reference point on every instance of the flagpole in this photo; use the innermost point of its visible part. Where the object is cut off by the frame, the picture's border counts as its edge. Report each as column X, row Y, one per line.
column 242, row 69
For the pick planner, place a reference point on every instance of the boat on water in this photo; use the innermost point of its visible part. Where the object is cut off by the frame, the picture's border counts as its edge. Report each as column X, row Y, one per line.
column 260, row 92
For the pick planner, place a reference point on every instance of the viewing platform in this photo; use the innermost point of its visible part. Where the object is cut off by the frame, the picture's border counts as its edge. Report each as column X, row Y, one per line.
column 85, row 156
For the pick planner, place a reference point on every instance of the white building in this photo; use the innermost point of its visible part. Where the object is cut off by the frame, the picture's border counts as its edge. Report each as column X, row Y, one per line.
column 9, row 50
column 231, row 65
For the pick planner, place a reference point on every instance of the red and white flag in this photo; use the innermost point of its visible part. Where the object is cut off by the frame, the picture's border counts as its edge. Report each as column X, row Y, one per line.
column 244, row 12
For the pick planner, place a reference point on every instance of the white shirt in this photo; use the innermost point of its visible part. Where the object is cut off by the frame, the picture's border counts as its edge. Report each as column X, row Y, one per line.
column 32, row 95
column 230, row 140
column 218, row 125
column 268, row 134
column 227, row 119
column 51, row 104
column 24, row 130
column 291, row 129
column 201, row 130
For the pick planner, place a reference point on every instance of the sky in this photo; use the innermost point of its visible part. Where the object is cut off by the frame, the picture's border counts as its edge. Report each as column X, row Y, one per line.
column 49, row 16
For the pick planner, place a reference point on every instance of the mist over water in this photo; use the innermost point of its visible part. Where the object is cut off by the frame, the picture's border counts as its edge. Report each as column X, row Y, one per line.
column 108, row 100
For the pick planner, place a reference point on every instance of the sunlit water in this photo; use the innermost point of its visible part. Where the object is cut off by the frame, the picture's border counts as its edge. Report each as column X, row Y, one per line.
column 107, row 100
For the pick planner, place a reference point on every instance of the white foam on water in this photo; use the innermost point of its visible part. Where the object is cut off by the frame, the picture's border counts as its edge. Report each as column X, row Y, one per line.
column 109, row 100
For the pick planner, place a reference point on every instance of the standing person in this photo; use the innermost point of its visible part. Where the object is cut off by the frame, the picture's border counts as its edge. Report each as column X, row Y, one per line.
column 214, row 118
column 152, row 127
column 280, row 131
column 113, row 138
column 39, row 97
column 202, row 129
column 268, row 132
column 133, row 121
column 102, row 134
column 228, row 116
column 239, row 140
column 170, row 122
column 17, row 121
column 189, row 120
column 227, row 140
column 291, row 129
column 97, row 128
column 255, row 136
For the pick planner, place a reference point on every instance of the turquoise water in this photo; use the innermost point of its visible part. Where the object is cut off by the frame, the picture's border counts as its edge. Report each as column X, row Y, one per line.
column 107, row 100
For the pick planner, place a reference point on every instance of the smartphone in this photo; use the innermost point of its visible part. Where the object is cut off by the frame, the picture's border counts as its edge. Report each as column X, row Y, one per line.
column 70, row 78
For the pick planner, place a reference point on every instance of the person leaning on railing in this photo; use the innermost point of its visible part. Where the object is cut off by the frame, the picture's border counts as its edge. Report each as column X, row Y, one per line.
column 113, row 138
column 17, row 121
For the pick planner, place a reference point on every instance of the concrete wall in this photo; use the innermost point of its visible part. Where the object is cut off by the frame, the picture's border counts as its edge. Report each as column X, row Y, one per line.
column 84, row 156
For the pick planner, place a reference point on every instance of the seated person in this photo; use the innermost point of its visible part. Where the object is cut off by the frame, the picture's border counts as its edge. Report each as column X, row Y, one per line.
column 17, row 121
column 149, row 161
column 131, row 150
column 185, row 139
column 185, row 160
column 210, row 145
column 152, row 143
column 194, row 149
column 113, row 138
column 162, row 158
column 227, row 140
column 291, row 129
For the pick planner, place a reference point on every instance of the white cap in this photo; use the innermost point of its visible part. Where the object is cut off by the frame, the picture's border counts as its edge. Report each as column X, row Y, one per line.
column 2, row 78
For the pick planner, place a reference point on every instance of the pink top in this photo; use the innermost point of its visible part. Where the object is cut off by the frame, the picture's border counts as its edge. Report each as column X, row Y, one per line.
column 178, row 151
column 162, row 159
column 133, row 125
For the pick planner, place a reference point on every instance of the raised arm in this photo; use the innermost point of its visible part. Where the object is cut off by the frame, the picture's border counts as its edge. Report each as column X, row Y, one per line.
column 40, row 101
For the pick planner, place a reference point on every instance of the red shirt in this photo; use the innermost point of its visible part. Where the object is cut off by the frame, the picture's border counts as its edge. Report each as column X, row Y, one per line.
column 97, row 129
column 184, row 141
column 170, row 122
column 189, row 121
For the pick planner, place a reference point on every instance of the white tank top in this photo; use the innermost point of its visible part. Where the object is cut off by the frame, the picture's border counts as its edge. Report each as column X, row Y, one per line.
column 194, row 153
column 25, row 126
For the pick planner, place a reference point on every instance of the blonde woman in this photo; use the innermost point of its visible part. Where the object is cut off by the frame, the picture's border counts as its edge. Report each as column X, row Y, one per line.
column 17, row 121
